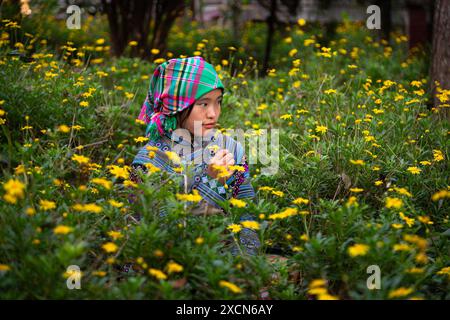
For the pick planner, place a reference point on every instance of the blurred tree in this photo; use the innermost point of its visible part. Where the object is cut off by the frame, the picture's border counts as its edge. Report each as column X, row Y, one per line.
column 146, row 22
column 440, row 65
column 272, row 23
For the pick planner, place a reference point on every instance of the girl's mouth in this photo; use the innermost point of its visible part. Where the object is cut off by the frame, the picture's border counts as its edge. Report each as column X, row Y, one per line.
column 209, row 125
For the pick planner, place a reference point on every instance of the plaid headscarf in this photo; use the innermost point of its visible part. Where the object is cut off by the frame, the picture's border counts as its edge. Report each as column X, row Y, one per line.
column 175, row 85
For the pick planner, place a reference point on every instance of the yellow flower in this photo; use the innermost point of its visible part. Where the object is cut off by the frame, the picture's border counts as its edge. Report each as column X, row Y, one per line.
column 415, row 270
column 286, row 116
column 99, row 273
column 321, row 129
column 4, row 267
column 132, row 43
column 400, row 292
column 292, row 52
column 237, row 203
column 152, row 168
column 443, row 271
column 173, row 157
column 154, row 51
column 199, row 240
column 110, row 247
column 301, row 22
column 318, row 291
column 288, row 212
column 129, row 183
column 14, row 188
column 235, row 228
column 401, row 247
column 442, row 194
column 394, row 203
column 231, row 286
column 194, row 197
column 63, row 128
column 250, row 224
column 119, row 172
column 278, row 193
column 129, row 96
column 403, row 191
column 357, row 162
column 408, row 221
column 425, row 219
column 90, row 207
column 425, row 163
column 414, row 170
column 358, row 250
column 84, row 104
column 378, row 183
column 103, row 182
column 158, row 274
column 115, row 234
column 352, row 201
column 356, row 190
column 327, row 297
column 317, row 283
column 115, row 203
column 47, row 205
column 265, row 188
column 62, row 229
column 330, row 91
column 174, row 267
column 300, row 200
column 438, row 155
column 140, row 139
column 237, row 168
column 80, row 159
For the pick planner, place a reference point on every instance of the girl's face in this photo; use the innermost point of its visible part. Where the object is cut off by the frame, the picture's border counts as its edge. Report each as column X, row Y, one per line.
column 205, row 113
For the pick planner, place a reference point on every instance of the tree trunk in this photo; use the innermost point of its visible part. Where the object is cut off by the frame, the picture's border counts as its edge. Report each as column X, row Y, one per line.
column 271, row 20
column 386, row 25
column 132, row 20
column 440, row 66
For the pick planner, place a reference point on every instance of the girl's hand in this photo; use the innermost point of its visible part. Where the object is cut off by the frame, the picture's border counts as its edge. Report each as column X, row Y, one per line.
column 223, row 159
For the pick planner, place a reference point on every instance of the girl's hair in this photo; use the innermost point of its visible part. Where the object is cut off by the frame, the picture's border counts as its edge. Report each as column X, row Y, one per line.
column 183, row 115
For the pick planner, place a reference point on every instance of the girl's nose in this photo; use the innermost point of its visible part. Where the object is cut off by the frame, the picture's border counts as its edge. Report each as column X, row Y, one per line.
column 210, row 112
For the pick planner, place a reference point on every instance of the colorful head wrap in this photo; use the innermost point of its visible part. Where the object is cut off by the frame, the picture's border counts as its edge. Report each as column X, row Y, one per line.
column 175, row 85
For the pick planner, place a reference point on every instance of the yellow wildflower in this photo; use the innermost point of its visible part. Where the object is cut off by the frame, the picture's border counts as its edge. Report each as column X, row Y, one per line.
column 394, row 203
column 110, row 247
column 174, row 267
column 158, row 274
column 194, row 197
column 400, row 292
column 250, row 224
column 235, row 228
column 80, row 159
column 47, row 205
column 358, row 250
column 231, row 286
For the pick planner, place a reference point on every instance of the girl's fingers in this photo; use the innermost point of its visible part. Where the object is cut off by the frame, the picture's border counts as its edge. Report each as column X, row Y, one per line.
column 218, row 156
column 228, row 159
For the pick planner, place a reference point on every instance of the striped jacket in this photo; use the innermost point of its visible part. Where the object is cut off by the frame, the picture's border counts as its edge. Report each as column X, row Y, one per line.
column 194, row 155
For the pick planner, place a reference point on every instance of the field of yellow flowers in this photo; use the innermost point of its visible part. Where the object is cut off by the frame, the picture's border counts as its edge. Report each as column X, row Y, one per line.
column 363, row 178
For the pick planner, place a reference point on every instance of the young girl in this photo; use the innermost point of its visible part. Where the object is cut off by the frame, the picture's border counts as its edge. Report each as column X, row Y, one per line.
column 181, row 111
